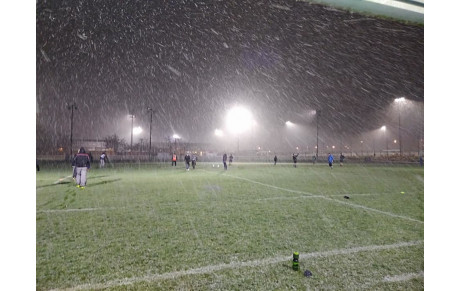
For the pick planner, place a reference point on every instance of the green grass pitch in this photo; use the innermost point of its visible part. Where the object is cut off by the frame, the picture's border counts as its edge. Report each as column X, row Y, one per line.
column 157, row 227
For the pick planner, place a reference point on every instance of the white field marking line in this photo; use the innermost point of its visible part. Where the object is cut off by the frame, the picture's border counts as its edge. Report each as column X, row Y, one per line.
column 176, row 203
column 363, row 194
column 271, row 186
column 73, row 210
column 237, row 265
column 372, row 209
column 56, row 182
column 403, row 277
column 286, row 198
column 330, row 199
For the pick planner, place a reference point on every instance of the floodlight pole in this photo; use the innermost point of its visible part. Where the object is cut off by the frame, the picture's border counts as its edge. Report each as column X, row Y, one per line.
column 373, row 143
column 386, row 141
column 150, row 142
column 238, row 144
column 318, row 112
column 399, row 131
column 399, row 101
column 132, row 129
column 71, row 107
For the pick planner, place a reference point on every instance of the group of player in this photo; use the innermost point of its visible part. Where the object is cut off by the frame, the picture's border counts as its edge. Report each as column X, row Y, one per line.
column 193, row 159
column 81, row 163
column 187, row 160
column 330, row 159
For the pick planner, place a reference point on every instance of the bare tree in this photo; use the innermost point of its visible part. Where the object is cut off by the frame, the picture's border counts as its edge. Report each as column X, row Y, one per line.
column 114, row 142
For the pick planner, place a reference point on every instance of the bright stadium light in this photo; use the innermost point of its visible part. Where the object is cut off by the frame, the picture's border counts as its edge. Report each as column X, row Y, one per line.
column 137, row 130
column 289, row 124
column 239, row 119
column 175, row 137
column 218, row 132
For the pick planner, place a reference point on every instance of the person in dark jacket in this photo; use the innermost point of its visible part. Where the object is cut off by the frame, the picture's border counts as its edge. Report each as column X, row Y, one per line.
column 275, row 159
column 194, row 161
column 342, row 157
column 224, row 160
column 294, row 159
column 230, row 160
column 82, row 164
column 187, row 162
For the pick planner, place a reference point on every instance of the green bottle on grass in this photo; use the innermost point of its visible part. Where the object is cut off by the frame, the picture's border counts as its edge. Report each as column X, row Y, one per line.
column 295, row 261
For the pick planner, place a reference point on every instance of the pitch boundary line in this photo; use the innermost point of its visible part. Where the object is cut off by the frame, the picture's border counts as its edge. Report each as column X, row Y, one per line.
column 236, row 265
column 327, row 198
column 73, row 210
column 403, row 277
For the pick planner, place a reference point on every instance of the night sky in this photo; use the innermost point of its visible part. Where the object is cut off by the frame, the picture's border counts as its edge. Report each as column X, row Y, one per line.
column 192, row 61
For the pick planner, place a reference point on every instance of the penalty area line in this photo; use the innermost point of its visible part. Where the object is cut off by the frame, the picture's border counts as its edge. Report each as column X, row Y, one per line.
column 326, row 198
column 266, row 185
column 237, row 265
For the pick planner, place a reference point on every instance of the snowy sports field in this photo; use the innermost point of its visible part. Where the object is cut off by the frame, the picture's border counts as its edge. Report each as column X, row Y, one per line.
column 153, row 226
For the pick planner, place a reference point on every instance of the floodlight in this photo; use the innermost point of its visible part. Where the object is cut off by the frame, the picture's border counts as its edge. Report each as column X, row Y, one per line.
column 218, row 132
column 137, row 130
column 239, row 119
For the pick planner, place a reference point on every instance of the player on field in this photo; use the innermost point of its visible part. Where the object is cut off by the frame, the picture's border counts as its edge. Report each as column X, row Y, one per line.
column 82, row 165
column 187, row 162
column 224, row 160
column 294, row 159
column 330, row 159
column 102, row 159
column 174, row 159
column 194, row 161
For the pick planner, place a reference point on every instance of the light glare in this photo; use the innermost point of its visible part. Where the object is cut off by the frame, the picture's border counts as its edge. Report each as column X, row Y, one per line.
column 137, row 130
column 218, row 132
column 239, row 119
